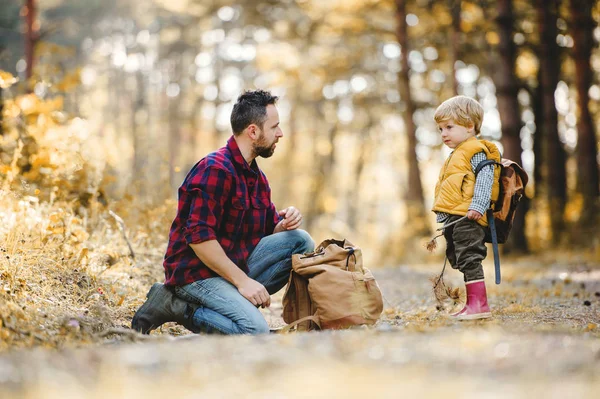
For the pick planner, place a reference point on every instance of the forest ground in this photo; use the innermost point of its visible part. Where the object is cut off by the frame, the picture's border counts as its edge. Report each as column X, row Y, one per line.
column 544, row 341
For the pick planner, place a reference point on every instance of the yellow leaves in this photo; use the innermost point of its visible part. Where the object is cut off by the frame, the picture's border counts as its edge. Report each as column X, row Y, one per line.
column 69, row 82
column 492, row 38
column 442, row 14
column 527, row 65
column 57, row 217
column 54, row 229
column 30, row 104
column 82, row 254
column 574, row 207
column 34, row 138
column 7, row 79
column 470, row 14
column 337, row 6
column 466, row 26
column 41, row 160
column 56, row 223
column 49, row 48
column 11, row 109
column 79, row 235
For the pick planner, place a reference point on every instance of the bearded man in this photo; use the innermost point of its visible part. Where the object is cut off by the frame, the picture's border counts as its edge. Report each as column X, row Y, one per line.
column 229, row 248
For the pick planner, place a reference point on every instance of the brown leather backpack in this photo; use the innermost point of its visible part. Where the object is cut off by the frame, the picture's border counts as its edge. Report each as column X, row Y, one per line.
column 501, row 214
column 330, row 289
column 513, row 180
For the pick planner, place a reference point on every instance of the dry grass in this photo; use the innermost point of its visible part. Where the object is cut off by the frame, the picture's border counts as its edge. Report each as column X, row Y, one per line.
column 67, row 274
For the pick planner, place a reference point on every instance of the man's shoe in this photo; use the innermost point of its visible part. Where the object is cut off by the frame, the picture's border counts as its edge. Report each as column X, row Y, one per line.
column 163, row 306
column 476, row 306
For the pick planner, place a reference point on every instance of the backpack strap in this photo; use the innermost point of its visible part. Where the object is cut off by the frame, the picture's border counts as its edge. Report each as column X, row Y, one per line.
column 490, row 215
column 491, row 222
column 289, row 327
column 485, row 163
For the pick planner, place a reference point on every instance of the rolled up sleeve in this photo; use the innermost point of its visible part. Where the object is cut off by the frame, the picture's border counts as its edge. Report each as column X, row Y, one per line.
column 483, row 184
column 272, row 219
column 208, row 191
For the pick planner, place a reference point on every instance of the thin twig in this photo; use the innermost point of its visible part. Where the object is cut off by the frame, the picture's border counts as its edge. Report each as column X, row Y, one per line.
column 450, row 224
column 388, row 302
column 121, row 225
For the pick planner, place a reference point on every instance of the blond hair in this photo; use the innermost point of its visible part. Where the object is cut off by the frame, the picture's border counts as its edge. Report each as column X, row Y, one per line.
column 464, row 110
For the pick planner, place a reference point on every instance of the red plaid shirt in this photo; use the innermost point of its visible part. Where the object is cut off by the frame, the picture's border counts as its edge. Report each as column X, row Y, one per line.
column 222, row 198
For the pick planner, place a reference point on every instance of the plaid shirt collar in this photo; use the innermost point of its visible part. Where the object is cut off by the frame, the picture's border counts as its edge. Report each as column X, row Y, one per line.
column 238, row 158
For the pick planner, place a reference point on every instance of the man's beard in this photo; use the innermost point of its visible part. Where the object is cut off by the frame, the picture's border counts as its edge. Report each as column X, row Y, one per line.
column 261, row 149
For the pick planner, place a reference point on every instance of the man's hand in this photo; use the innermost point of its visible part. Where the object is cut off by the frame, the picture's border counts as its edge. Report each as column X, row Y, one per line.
column 292, row 219
column 255, row 292
column 473, row 215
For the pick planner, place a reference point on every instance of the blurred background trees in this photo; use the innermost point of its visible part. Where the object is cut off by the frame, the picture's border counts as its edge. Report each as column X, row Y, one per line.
column 155, row 80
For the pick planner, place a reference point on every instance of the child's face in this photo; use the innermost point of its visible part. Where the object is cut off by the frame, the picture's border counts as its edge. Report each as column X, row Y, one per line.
column 453, row 134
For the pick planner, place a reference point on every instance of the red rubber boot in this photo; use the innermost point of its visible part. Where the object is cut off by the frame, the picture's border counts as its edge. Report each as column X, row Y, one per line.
column 477, row 305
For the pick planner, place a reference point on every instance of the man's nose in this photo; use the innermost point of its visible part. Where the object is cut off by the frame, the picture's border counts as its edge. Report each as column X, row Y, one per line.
column 279, row 133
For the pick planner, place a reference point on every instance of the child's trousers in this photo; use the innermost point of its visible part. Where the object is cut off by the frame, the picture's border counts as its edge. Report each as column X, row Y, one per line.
column 465, row 247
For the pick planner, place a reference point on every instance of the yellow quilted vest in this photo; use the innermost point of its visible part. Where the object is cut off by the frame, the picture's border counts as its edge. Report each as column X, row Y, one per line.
column 456, row 184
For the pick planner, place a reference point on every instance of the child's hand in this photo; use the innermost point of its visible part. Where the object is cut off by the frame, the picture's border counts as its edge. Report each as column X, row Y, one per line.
column 474, row 215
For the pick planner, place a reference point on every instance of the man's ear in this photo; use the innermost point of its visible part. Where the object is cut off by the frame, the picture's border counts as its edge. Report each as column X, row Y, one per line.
column 253, row 132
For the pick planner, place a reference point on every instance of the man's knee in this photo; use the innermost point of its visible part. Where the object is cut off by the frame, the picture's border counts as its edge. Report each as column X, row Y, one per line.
column 303, row 241
column 254, row 327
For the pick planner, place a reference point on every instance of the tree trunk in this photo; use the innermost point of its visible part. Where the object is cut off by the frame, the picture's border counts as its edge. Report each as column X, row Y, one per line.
column 554, row 152
column 538, row 136
column 323, row 167
column 197, row 128
column 31, row 35
column 1, row 112
column 174, row 123
column 508, row 107
column 286, row 186
column 414, row 193
column 364, row 148
column 454, row 6
column 587, row 151
column 139, row 136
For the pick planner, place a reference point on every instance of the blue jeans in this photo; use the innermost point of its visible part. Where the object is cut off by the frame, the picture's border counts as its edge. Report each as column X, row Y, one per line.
column 224, row 310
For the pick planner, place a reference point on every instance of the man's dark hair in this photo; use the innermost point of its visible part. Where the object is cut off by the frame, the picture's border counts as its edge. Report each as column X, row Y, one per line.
column 251, row 107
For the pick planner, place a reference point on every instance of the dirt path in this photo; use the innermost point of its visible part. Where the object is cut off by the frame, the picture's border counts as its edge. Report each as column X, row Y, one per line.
column 543, row 342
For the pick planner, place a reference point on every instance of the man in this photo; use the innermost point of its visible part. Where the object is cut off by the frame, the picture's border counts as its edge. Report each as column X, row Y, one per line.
column 229, row 249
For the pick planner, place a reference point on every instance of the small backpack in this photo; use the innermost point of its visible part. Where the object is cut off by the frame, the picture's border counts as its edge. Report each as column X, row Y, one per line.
column 513, row 180
column 330, row 289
